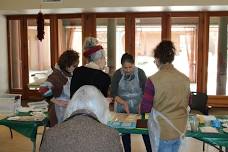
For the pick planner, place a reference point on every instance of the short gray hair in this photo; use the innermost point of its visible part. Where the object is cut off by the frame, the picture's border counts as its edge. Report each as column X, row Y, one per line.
column 97, row 55
column 89, row 42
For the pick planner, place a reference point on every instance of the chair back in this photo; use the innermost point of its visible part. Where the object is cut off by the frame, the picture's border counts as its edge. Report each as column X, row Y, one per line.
column 199, row 102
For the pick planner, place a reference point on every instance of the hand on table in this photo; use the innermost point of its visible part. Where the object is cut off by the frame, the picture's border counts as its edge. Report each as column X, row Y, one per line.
column 126, row 107
column 123, row 103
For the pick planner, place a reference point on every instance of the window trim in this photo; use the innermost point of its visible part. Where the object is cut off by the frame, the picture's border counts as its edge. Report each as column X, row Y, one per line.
column 89, row 29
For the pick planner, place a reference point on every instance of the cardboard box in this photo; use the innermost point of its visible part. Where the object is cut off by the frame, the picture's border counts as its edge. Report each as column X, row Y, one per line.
column 9, row 103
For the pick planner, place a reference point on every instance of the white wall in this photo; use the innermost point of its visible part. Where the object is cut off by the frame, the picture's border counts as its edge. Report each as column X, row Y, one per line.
column 75, row 6
column 3, row 56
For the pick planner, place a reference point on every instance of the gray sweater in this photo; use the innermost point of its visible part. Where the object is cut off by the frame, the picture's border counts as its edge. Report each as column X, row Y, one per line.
column 81, row 134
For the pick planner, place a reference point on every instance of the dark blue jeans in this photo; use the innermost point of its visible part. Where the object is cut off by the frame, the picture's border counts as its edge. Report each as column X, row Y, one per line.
column 126, row 138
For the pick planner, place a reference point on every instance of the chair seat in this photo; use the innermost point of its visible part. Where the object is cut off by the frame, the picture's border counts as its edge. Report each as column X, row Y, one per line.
column 199, row 102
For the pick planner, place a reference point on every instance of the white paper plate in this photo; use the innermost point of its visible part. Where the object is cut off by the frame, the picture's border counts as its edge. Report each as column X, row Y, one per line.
column 23, row 109
column 13, row 118
column 38, row 114
column 40, row 109
column 225, row 130
column 225, row 125
column 208, row 130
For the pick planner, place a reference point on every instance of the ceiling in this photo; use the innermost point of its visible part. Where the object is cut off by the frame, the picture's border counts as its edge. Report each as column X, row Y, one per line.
column 118, row 9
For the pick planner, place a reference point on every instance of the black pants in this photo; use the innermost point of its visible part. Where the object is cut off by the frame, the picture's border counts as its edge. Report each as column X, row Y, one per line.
column 126, row 138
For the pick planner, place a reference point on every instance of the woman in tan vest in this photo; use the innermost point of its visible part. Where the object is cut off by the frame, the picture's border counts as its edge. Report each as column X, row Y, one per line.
column 166, row 96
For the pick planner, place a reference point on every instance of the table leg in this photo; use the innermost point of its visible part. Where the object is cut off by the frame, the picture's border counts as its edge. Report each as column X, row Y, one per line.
column 11, row 133
column 34, row 146
column 43, row 135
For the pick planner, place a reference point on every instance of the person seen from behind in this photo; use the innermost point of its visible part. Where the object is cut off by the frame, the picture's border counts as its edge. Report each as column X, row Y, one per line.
column 93, row 72
column 84, row 128
column 166, row 98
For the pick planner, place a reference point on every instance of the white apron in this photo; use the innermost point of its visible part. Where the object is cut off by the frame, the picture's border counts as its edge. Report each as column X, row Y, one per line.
column 129, row 90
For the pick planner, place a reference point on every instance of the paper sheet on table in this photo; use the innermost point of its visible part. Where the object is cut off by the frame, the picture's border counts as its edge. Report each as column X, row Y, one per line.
column 123, row 120
column 118, row 124
column 26, row 118
column 208, row 130
column 205, row 118
column 123, row 117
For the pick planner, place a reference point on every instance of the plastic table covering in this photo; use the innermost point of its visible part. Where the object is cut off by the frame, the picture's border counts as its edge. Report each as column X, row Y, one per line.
column 218, row 140
column 26, row 128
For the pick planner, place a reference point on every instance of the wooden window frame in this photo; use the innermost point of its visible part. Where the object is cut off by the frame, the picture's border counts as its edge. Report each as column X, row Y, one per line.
column 89, row 29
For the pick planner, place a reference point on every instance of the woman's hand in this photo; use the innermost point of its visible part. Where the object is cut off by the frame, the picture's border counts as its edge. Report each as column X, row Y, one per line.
column 122, row 102
column 61, row 103
column 126, row 108
column 109, row 99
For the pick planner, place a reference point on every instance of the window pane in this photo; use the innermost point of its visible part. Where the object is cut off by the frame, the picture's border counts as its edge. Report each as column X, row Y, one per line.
column 147, row 37
column 15, row 51
column 184, row 34
column 217, row 56
column 111, row 35
column 39, row 60
column 70, row 36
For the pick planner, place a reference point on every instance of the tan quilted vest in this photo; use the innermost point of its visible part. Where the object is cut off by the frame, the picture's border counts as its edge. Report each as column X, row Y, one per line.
column 172, row 89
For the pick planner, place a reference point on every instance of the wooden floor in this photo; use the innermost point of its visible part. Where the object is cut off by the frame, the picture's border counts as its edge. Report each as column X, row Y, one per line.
column 22, row 144
column 190, row 145
column 19, row 143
